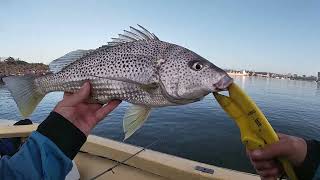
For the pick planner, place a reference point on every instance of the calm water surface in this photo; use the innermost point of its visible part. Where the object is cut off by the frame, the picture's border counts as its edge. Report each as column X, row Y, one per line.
column 202, row 131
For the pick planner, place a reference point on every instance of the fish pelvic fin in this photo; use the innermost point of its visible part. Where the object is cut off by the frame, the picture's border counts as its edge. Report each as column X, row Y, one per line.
column 134, row 118
column 23, row 91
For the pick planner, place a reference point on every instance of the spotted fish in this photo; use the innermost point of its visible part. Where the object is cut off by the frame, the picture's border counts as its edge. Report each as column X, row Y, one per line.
column 135, row 67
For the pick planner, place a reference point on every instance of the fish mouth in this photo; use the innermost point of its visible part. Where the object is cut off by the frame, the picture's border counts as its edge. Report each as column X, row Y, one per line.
column 223, row 84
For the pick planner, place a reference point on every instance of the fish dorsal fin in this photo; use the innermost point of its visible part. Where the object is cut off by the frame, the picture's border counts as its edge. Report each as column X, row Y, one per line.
column 134, row 118
column 62, row 62
column 135, row 34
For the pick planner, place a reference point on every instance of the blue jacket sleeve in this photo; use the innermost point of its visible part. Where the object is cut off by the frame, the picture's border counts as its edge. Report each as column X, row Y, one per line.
column 46, row 154
column 38, row 158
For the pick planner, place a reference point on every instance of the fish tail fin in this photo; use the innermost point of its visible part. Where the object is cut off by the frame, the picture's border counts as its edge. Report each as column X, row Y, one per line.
column 23, row 91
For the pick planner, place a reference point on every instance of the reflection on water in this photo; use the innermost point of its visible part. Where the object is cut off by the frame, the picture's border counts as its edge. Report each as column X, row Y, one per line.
column 318, row 88
column 202, row 131
column 243, row 81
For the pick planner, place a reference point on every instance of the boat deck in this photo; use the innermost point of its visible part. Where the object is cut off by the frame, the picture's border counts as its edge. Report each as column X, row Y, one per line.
column 99, row 154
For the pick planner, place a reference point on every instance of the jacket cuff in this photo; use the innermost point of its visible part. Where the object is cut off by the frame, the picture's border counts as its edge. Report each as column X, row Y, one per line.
column 63, row 133
column 309, row 166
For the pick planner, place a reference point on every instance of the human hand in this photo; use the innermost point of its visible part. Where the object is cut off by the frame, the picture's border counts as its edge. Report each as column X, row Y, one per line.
column 84, row 115
column 264, row 160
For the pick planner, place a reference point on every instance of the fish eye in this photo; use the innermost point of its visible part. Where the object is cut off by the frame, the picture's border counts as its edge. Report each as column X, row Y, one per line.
column 197, row 66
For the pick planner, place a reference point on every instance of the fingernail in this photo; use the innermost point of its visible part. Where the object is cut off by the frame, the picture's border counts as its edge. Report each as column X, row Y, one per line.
column 84, row 84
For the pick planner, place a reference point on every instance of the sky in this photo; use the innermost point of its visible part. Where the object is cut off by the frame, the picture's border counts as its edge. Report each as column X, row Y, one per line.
column 261, row 35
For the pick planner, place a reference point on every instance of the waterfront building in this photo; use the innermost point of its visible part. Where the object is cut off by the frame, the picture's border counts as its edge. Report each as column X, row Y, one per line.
column 238, row 73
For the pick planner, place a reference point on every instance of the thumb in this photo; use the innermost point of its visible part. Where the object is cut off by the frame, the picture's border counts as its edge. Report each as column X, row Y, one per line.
column 80, row 96
column 271, row 151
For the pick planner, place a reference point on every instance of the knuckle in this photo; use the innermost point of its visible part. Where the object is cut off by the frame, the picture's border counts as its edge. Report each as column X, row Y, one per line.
column 274, row 172
column 264, row 165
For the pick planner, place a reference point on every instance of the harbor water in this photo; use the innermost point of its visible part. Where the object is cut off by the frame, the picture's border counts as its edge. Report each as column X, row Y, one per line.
column 202, row 131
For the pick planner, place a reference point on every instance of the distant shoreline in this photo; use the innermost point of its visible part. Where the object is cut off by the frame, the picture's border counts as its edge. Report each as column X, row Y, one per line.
column 291, row 79
column 17, row 67
column 272, row 75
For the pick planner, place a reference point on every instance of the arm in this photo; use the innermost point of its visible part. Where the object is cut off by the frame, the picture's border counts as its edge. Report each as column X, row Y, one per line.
column 304, row 155
column 48, row 152
column 44, row 156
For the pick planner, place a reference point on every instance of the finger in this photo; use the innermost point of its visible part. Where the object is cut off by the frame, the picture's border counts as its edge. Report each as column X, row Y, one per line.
column 271, row 151
column 79, row 96
column 103, row 111
column 248, row 152
column 261, row 165
column 94, row 107
column 268, row 178
column 270, row 173
column 66, row 94
column 281, row 136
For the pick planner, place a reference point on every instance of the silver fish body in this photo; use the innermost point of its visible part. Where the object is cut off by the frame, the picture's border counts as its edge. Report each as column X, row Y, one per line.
column 136, row 67
column 146, row 72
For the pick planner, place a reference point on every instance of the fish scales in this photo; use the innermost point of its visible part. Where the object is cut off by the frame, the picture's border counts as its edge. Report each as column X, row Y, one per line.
column 127, row 68
column 103, row 90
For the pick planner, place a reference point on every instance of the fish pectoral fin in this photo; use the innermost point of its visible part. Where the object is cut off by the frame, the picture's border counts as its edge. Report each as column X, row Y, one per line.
column 134, row 118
